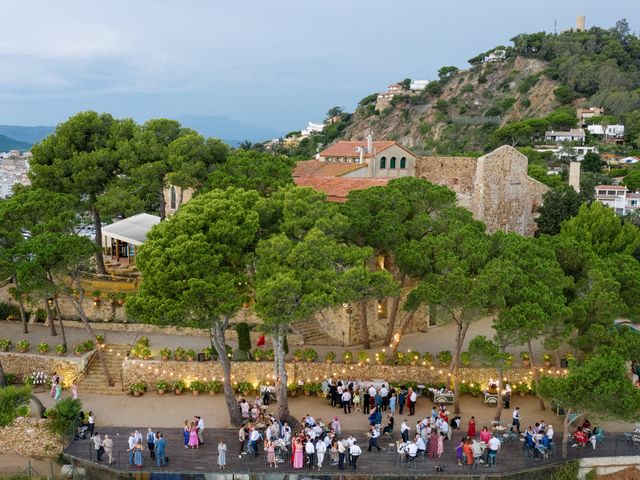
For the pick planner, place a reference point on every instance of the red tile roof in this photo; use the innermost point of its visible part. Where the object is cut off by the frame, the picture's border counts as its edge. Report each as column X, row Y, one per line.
column 316, row 168
column 337, row 188
column 348, row 148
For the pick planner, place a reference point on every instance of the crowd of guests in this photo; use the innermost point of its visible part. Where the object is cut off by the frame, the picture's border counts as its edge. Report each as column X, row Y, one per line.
column 348, row 395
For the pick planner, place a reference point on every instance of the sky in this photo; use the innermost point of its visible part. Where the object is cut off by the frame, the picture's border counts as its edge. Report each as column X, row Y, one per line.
column 278, row 63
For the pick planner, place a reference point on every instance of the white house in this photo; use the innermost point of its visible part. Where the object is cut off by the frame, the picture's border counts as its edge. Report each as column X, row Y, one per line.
column 573, row 135
column 561, row 152
column 418, row 84
column 312, row 128
column 617, row 197
column 496, row 56
column 597, row 130
column 614, row 131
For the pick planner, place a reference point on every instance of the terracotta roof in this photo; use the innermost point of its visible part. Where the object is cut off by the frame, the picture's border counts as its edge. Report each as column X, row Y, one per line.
column 337, row 188
column 316, row 168
column 348, row 148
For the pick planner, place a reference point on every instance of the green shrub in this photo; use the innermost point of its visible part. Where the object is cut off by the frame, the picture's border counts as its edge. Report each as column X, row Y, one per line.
column 244, row 387
column 363, row 357
column 330, row 357
column 23, row 411
column 100, row 339
column 381, row 357
column 244, row 337
column 214, row 386
column 143, row 341
column 209, row 352
column 10, row 399
column 259, row 355
column 197, row 386
column 165, row 353
column 413, row 357
column 445, row 357
column 525, row 102
column 88, row 346
column 400, row 358
column 347, row 356
column 79, row 348
column 465, row 359
column 190, row 354
column 162, row 385
column 468, row 88
column 178, row 385
column 9, row 311
column 10, row 378
column 23, row 345
column 41, row 315
column 5, row 344
column 64, row 416
column 427, row 358
column 298, row 355
column 310, row 355
column 43, row 347
column 139, row 387
column 179, row 353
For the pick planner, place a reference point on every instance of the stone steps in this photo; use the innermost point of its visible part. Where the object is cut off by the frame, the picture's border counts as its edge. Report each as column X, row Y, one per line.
column 313, row 333
column 95, row 381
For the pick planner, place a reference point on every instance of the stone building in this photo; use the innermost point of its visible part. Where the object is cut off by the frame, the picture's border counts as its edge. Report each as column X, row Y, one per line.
column 175, row 196
column 494, row 187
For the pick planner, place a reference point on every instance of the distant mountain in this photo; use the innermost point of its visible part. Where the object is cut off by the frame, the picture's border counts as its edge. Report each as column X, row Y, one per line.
column 7, row 144
column 231, row 131
column 29, row 135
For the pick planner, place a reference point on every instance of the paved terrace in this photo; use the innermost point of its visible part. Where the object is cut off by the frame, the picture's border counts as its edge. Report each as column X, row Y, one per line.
column 188, row 461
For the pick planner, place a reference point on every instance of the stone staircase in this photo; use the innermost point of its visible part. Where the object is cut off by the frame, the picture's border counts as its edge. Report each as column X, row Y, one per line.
column 313, row 333
column 95, row 381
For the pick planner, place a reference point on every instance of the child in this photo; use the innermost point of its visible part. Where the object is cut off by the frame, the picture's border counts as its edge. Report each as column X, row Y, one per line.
column 74, row 390
column 271, row 455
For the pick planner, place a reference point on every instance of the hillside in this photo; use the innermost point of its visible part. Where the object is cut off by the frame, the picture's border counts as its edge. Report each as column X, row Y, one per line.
column 542, row 76
column 7, row 144
column 28, row 135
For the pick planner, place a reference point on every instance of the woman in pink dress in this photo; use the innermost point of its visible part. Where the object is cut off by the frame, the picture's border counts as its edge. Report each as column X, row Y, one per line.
column 440, row 445
column 193, row 436
column 298, row 459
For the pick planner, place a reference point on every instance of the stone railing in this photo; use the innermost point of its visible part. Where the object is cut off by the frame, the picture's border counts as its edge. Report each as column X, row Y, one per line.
column 24, row 364
column 29, row 437
column 150, row 371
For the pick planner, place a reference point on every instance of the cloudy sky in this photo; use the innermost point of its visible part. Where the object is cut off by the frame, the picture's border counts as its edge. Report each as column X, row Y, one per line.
column 276, row 63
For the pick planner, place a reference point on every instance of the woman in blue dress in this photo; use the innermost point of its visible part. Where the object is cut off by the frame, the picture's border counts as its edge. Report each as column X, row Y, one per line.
column 186, row 430
column 137, row 455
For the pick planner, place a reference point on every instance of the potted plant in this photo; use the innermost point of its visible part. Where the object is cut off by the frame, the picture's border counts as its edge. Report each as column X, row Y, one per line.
column 137, row 389
column 307, row 388
column 347, row 356
column 508, row 359
column 526, row 359
column 96, row 297
column 245, row 388
column 269, row 354
column 330, row 357
column 88, row 345
column 43, row 348
column 214, row 386
column 445, row 357
column 190, row 354
column 100, row 339
column 465, row 359
column 546, row 359
column 196, row 387
column 427, row 358
column 165, row 353
column 23, row 346
column 61, row 349
column 381, row 358
column 292, row 390
column 363, row 357
column 208, row 353
column 400, row 358
column 120, row 298
column 474, row 389
column 144, row 353
column 79, row 349
column 178, row 387
column 298, row 355
column 5, row 344
column 179, row 353
column 258, row 355
column 413, row 357
column 162, row 386
column 310, row 355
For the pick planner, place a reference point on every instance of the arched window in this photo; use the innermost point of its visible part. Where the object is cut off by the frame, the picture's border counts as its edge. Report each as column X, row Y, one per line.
column 383, row 162
column 403, row 162
column 173, row 197
column 392, row 162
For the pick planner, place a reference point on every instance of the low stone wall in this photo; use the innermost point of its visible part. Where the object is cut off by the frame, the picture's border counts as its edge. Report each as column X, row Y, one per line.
column 29, row 437
column 150, row 371
column 24, row 364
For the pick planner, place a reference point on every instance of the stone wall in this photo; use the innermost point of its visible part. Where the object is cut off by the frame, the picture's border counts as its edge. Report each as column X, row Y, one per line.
column 24, row 364
column 150, row 371
column 494, row 187
column 29, row 437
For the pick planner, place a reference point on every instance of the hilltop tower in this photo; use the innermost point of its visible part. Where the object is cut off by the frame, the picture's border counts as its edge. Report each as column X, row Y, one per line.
column 580, row 23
